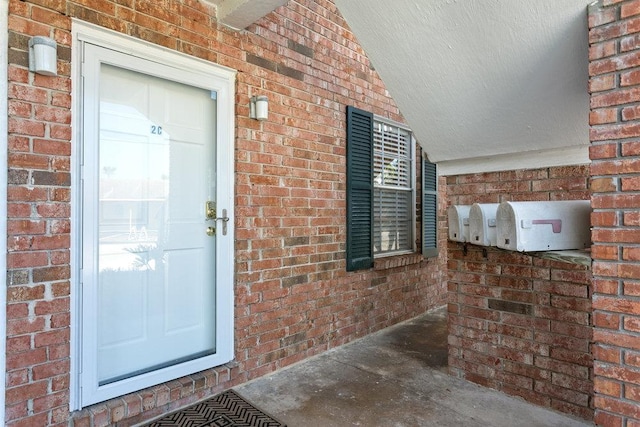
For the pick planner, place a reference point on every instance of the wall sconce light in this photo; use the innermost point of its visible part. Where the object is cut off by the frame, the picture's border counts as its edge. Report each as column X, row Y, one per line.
column 259, row 108
column 43, row 57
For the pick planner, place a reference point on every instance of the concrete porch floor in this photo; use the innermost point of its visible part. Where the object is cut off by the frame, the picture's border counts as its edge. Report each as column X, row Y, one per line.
column 396, row 377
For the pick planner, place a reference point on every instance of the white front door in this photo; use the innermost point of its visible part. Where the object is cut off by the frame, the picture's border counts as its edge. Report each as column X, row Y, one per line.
column 153, row 307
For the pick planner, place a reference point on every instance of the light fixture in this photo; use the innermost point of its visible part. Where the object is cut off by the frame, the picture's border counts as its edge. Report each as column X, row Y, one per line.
column 43, row 56
column 259, row 108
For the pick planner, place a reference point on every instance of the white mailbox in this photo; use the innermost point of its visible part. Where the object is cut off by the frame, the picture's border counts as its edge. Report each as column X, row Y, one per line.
column 458, row 218
column 544, row 226
column 482, row 224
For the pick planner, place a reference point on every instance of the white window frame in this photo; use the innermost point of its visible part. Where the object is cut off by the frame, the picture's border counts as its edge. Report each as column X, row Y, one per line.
column 412, row 180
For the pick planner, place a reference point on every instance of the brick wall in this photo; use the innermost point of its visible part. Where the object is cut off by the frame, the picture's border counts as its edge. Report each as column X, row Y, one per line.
column 518, row 323
column 294, row 298
column 615, row 129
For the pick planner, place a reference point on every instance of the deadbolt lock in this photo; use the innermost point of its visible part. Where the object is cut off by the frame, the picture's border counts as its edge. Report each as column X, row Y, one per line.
column 210, row 210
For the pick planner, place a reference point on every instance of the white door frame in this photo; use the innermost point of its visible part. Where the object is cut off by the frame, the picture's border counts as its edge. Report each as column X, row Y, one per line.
column 211, row 76
column 4, row 37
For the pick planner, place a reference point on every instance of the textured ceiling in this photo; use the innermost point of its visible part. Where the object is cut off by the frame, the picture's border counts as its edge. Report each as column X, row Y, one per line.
column 484, row 84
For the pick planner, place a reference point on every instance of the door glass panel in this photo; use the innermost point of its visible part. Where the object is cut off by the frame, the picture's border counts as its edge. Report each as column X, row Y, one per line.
column 156, row 263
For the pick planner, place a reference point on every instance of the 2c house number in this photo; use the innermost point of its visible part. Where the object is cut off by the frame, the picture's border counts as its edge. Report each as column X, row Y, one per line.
column 156, row 130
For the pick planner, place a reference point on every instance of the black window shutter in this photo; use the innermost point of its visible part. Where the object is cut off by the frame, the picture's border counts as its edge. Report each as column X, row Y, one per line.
column 429, row 209
column 359, row 189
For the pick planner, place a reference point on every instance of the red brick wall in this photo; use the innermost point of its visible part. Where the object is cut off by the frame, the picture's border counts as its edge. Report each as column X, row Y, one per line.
column 294, row 298
column 518, row 323
column 615, row 169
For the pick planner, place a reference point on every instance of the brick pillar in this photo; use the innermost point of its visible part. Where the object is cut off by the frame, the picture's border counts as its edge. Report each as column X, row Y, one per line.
column 614, row 69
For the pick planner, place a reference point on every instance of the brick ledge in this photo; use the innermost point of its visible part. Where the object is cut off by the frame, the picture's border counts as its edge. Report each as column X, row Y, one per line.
column 397, row 261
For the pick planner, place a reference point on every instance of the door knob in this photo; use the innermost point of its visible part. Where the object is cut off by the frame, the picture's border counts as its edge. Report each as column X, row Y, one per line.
column 211, row 231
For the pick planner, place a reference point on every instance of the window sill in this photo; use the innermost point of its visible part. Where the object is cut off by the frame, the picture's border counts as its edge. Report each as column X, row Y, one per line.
column 403, row 260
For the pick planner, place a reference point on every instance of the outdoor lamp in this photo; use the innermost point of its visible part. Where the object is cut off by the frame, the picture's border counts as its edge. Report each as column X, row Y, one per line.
column 259, row 107
column 43, row 56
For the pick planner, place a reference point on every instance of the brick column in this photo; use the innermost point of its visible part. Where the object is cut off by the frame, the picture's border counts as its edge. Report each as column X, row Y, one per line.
column 614, row 69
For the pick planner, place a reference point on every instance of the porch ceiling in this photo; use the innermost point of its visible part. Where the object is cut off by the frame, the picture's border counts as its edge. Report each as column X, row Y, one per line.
column 484, row 84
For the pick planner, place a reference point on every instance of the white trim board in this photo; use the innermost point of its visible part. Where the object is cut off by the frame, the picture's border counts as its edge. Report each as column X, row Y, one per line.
column 578, row 155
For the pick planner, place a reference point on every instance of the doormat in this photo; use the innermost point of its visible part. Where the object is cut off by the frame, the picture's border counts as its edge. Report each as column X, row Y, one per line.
column 227, row 409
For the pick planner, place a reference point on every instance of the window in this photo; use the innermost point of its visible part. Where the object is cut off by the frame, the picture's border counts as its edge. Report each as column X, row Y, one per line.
column 393, row 189
column 381, row 188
